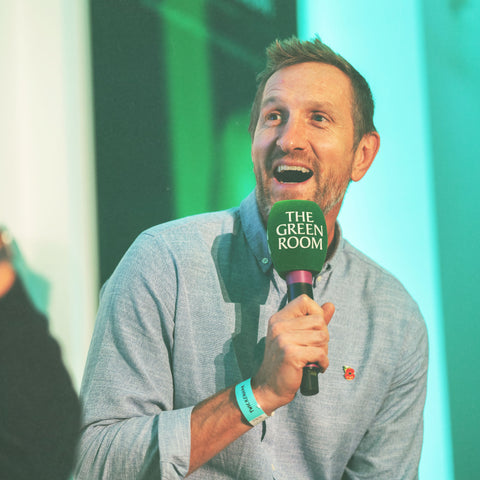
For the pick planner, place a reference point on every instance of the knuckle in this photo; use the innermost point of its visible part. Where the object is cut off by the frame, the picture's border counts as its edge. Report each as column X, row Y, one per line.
column 324, row 361
column 305, row 299
column 273, row 319
column 288, row 349
column 275, row 330
column 321, row 338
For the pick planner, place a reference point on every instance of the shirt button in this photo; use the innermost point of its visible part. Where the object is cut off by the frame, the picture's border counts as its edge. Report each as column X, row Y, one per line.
column 265, row 260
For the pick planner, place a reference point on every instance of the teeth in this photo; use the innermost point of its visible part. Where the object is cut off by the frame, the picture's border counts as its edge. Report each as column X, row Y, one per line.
column 285, row 168
column 292, row 174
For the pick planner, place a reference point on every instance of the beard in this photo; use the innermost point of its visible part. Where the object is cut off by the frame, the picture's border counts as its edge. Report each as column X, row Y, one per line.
column 328, row 191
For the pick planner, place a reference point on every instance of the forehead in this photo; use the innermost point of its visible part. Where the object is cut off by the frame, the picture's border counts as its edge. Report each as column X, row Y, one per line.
column 310, row 81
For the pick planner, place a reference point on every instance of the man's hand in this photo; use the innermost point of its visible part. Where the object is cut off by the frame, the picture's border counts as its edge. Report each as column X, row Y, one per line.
column 297, row 335
column 7, row 272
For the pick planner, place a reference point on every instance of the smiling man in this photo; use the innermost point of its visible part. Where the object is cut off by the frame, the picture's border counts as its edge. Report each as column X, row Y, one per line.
column 195, row 347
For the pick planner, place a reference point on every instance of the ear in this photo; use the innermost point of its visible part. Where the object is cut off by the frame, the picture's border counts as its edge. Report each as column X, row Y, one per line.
column 364, row 154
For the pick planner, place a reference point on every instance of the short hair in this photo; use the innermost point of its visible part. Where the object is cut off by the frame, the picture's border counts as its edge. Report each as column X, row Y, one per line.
column 291, row 51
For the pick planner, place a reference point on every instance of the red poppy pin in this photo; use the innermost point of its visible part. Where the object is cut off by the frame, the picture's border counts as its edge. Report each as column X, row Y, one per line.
column 349, row 372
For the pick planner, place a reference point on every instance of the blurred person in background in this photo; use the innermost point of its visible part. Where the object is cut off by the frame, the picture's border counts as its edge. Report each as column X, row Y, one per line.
column 39, row 408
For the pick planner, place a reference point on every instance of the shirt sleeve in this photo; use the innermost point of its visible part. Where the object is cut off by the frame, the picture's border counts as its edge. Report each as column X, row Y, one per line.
column 131, row 428
column 392, row 445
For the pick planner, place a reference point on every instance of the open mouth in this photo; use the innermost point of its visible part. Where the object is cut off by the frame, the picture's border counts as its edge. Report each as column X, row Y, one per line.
column 292, row 174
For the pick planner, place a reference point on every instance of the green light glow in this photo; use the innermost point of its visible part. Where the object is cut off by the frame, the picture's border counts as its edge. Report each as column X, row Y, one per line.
column 236, row 178
column 190, row 104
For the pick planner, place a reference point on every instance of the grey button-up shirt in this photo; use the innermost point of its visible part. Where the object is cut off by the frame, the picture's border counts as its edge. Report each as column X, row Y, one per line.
column 185, row 315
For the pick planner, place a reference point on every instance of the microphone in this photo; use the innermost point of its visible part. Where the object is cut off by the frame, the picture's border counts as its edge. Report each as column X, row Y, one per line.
column 298, row 242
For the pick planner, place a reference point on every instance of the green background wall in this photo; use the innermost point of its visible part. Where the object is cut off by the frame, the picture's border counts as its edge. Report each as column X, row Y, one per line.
column 173, row 84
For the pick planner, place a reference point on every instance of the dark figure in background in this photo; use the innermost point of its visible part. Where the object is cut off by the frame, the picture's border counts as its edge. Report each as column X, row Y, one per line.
column 39, row 409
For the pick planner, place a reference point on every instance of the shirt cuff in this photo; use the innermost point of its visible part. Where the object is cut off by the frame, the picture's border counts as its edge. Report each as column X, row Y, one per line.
column 174, row 442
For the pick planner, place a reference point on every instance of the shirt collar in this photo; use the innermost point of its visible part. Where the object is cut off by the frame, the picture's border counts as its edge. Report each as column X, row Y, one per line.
column 334, row 249
column 255, row 232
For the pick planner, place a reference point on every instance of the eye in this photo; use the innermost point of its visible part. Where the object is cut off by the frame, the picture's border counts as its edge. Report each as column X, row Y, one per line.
column 318, row 117
column 273, row 117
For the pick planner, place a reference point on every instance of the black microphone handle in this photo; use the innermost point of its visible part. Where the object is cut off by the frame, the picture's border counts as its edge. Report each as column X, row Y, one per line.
column 294, row 290
column 309, row 385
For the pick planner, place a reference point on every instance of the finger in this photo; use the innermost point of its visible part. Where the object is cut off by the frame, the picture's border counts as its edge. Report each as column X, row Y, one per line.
column 318, row 321
column 301, row 306
column 292, row 317
column 317, row 356
column 311, row 338
column 328, row 311
column 308, row 325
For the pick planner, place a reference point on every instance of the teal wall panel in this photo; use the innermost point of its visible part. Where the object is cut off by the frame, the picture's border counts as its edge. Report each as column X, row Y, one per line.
column 391, row 214
column 453, row 62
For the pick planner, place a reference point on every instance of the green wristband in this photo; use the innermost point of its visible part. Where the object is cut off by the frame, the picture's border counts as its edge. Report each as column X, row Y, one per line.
column 247, row 403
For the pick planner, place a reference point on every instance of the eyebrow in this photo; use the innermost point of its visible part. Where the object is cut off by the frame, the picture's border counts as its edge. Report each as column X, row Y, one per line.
column 314, row 104
column 269, row 100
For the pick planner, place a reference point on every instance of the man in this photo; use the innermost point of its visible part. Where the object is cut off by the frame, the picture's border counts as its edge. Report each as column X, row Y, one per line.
column 195, row 343
column 39, row 409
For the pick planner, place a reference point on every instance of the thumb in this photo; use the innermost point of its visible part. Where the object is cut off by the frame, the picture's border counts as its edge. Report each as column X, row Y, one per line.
column 328, row 311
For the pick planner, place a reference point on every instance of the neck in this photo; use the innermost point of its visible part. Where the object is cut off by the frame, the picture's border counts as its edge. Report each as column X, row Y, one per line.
column 330, row 220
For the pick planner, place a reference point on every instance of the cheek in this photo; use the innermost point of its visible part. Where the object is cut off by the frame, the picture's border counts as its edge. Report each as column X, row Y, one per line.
column 259, row 142
column 330, row 145
column 334, row 159
column 260, row 148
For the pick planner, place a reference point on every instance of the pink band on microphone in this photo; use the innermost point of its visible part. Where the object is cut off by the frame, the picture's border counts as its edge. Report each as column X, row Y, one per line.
column 299, row 276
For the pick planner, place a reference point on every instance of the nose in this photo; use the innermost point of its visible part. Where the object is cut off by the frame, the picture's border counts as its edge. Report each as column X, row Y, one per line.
column 293, row 136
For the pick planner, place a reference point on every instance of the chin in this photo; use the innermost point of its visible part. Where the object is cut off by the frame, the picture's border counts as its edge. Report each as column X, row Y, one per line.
column 266, row 199
column 299, row 191
column 295, row 195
